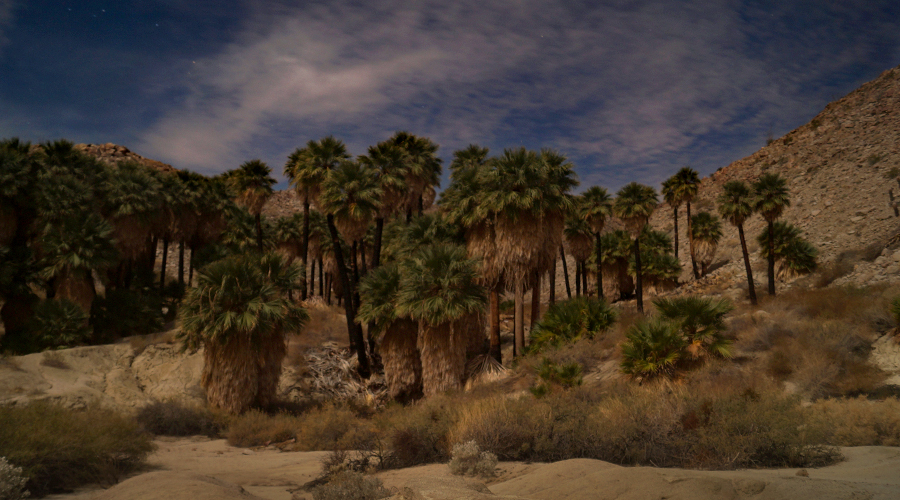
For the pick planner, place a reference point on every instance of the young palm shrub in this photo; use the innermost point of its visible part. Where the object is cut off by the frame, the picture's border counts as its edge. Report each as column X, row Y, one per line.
column 736, row 205
column 399, row 350
column 239, row 314
column 701, row 321
column 771, row 199
column 57, row 323
column 571, row 320
column 439, row 289
column 706, row 229
column 794, row 255
column 652, row 349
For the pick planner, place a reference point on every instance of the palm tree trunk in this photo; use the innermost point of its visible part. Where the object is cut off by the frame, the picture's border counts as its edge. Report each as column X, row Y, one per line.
column 191, row 267
column 562, row 254
column 354, row 291
column 181, row 262
column 691, row 243
column 304, row 249
column 578, row 278
column 637, row 278
column 535, row 301
column 519, row 319
column 312, row 280
column 322, row 279
column 675, row 218
column 353, row 328
column 771, row 269
column 599, row 266
column 327, row 293
column 259, row 235
column 552, row 279
column 362, row 257
column 162, row 270
column 495, row 324
column 376, row 252
column 584, row 277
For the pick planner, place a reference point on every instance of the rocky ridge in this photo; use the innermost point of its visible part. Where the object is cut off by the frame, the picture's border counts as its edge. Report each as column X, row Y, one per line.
column 112, row 154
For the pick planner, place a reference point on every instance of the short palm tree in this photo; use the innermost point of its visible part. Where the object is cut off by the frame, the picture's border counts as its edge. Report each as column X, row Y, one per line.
column 652, row 349
column 706, row 229
column 735, row 206
column 682, row 188
column 570, row 320
column 633, row 205
column 390, row 161
column 423, row 168
column 771, row 197
column 439, row 288
column 596, row 208
column 795, row 256
column 239, row 314
column 701, row 321
column 580, row 242
column 252, row 182
column 399, row 346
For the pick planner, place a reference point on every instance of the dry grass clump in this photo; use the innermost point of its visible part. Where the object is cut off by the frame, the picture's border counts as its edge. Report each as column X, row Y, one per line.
column 858, row 421
column 331, row 427
column 351, row 485
column 60, row 449
column 257, row 428
column 174, row 418
column 469, row 460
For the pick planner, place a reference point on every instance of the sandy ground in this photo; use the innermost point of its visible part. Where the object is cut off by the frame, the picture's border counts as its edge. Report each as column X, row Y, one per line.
column 203, row 469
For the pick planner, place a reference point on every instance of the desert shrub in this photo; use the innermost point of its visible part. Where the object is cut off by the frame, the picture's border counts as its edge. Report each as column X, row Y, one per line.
column 895, row 309
column 857, row 421
column 351, row 485
column 570, row 320
column 126, row 312
column 54, row 359
column 701, row 321
column 57, row 323
column 59, row 449
column 173, row 418
column 506, row 427
column 257, row 428
column 12, row 483
column 332, row 427
column 652, row 349
column 468, row 460
column 418, row 434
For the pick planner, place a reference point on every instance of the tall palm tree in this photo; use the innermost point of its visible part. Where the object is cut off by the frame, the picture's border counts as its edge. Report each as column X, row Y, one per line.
column 596, row 207
column 682, row 188
column 439, row 289
column 253, row 183
column 306, row 169
column 633, row 205
column 579, row 239
column 771, row 198
column 350, row 196
column 795, row 256
column 423, row 168
column 239, row 314
column 706, row 229
column 390, row 161
column 736, row 205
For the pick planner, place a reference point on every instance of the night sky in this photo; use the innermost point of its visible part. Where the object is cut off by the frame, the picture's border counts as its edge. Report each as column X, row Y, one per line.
column 628, row 90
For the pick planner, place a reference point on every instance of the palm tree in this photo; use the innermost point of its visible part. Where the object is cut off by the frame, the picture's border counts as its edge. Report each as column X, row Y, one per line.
column 652, row 349
column 350, row 196
column 633, row 205
column 423, row 168
column 439, row 289
column 701, row 321
column 253, row 183
column 390, row 161
column 795, row 256
column 596, row 207
column 306, row 169
column 706, row 229
column 771, row 198
column 239, row 314
column 682, row 188
column 736, row 205
column 379, row 291
column 579, row 239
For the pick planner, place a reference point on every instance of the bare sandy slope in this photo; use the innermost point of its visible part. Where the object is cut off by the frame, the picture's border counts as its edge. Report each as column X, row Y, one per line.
column 201, row 469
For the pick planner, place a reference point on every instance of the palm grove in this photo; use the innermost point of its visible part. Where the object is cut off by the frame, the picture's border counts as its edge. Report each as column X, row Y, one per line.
column 420, row 282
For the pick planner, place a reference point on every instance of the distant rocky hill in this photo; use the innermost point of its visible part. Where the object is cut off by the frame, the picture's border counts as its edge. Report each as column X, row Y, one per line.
column 110, row 153
column 843, row 172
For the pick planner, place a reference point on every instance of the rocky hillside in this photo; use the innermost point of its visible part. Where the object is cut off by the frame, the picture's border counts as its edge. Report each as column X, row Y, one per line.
column 843, row 172
column 110, row 153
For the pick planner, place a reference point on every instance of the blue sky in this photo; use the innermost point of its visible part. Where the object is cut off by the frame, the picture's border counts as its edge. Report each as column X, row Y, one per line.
column 628, row 90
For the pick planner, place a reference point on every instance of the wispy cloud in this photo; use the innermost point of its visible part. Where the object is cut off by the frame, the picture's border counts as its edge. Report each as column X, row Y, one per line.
column 648, row 86
column 6, row 19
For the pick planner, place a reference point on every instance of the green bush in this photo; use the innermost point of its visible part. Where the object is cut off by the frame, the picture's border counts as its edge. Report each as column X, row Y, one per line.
column 567, row 375
column 57, row 323
column 701, row 321
column 895, row 309
column 570, row 320
column 172, row 418
column 123, row 313
column 651, row 349
column 59, row 449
